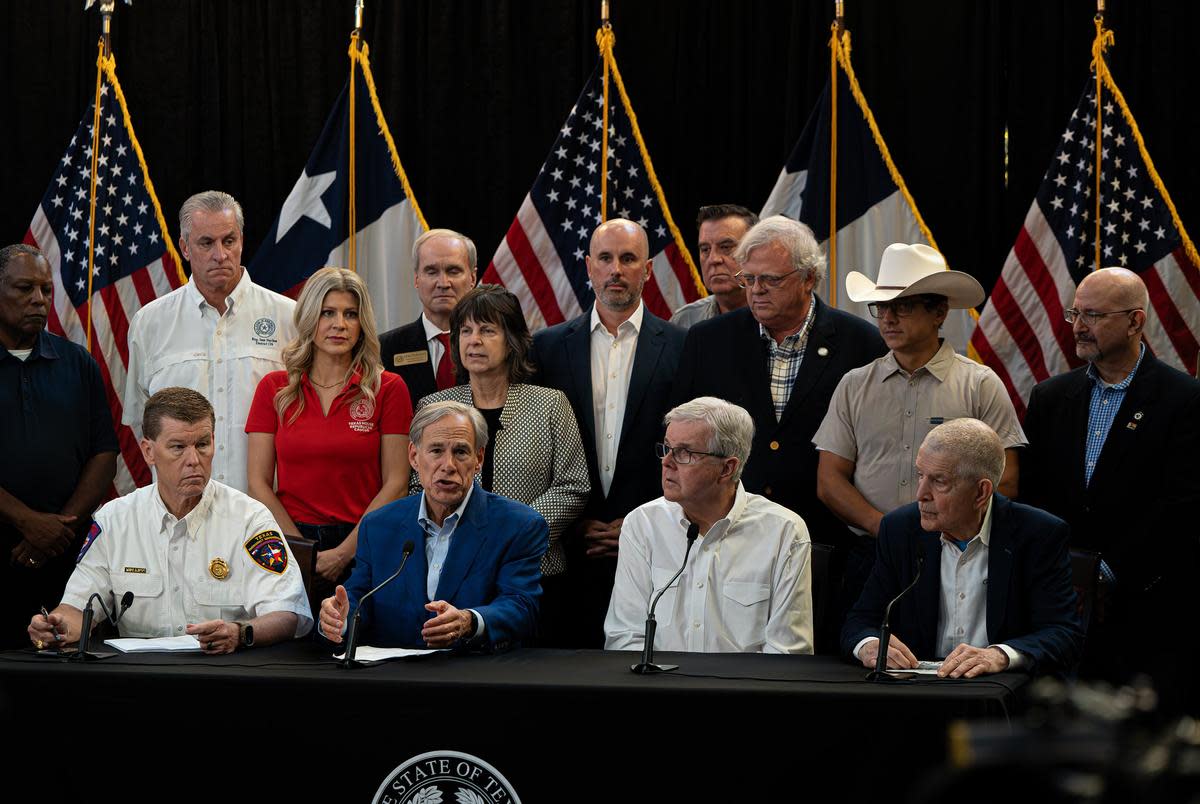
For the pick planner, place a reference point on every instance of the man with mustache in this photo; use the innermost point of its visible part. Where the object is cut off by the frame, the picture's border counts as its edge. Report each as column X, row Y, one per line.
column 60, row 450
column 615, row 364
column 1112, row 450
column 880, row 412
column 444, row 264
column 722, row 227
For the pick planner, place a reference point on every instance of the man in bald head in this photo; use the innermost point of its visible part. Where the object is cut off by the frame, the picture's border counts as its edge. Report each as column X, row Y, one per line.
column 1112, row 447
column 615, row 364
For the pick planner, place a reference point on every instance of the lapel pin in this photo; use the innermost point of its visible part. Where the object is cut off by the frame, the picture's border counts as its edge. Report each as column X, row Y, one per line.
column 823, row 351
column 1131, row 426
column 1138, row 415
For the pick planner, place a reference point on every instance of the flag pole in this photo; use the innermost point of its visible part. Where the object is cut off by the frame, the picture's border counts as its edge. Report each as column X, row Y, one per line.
column 105, row 50
column 605, row 38
column 1103, row 39
column 351, row 206
column 835, row 44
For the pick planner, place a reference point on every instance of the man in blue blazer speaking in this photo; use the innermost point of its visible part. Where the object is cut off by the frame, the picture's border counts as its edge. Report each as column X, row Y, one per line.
column 474, row 578
column 994, row 589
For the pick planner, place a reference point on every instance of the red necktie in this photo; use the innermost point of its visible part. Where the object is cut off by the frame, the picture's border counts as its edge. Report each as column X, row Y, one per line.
column 445, row 369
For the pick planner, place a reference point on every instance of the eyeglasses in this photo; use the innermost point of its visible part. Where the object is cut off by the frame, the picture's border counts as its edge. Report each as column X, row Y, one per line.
column 901, row 308
column 768, row 281
column 1091, row 317
column 682, row 455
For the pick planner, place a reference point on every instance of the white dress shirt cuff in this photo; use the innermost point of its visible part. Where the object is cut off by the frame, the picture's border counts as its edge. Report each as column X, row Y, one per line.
column 482, row 629
column 858, row 648
column 1016, row 659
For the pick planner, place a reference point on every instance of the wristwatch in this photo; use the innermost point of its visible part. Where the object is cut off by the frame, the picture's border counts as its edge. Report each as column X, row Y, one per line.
column 474, row 624
column 245, row 635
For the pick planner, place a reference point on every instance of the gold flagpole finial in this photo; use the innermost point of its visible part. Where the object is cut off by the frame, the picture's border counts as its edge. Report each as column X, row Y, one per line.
column 107, row 7
column 358, row 14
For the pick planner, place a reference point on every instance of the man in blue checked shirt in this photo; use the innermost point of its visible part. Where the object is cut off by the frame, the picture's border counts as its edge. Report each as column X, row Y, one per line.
column 1112, row 450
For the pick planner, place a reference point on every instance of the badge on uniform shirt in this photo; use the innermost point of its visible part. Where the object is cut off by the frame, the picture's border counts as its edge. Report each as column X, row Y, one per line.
column 218, row 569
column 269, row 551
column 409, row 358
column 93, row 535
column 264, row 332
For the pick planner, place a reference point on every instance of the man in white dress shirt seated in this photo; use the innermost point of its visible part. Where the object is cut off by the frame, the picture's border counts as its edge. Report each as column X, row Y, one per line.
column 747, row 583
column 199, row 557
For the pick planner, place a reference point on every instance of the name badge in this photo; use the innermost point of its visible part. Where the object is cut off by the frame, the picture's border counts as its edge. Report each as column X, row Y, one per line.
column 136, row 570
column 409, row 358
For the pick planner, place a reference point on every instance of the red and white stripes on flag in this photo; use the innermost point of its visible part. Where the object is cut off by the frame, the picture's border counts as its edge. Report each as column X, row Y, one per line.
column 1022, row 334
column 541, row 259
column 132, row 261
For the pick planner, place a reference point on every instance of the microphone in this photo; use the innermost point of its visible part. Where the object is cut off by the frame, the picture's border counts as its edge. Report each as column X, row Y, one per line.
column 647, row 665
column 352, row 631
column 85, row 636
column 885, row 630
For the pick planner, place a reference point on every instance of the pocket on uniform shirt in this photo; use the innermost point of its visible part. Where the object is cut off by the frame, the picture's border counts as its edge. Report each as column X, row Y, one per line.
column 665, row 612
column 185, row 368
column 219, row 600
column 746, row 606
column 140, row 619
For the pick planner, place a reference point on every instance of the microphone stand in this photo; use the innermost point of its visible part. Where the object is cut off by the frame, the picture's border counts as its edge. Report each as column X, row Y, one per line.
column 348, row 662
column 647, row 666
column 880, row 673
column 83, row 651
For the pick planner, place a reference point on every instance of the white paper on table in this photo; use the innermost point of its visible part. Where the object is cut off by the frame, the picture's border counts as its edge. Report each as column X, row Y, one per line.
column 368, row 654
column 179, row 644
column 922, row 669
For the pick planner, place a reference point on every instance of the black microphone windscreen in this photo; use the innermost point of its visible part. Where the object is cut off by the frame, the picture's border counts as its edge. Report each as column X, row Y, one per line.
column 409, row 547
column 693, row 531
column 126, row 600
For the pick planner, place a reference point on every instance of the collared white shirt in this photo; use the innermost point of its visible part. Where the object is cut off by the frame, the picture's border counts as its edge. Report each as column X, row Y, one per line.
column 962, row 606
column 612, row 367
column 437, row 546
column 436, row 350
column 172, row 565
column 747, row 586
column 180, row 339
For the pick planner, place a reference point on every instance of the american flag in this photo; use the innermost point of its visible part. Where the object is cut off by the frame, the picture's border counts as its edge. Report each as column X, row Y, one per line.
column 1022, row 334
column 134, row 261
column 541, row 258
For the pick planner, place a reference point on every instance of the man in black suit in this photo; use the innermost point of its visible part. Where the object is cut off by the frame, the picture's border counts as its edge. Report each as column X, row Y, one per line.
column 615, row 365
column 994, row 591
column 781, row 359
column 1112, row 450
column 444, row 270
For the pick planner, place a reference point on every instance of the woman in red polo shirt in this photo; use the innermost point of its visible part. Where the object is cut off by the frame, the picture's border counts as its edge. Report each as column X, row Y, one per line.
column 333, row 427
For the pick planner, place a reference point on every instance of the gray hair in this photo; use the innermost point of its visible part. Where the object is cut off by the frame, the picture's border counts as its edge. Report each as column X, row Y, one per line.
column 214, row 201
column 976, row 449
column 10, row 253
column 437, row 411
column 472, row 254
column 731, row 430
column 795, row 238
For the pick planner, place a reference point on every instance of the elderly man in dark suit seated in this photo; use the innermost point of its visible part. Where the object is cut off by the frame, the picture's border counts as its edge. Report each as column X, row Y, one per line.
column 994, row 589
column 474, row 579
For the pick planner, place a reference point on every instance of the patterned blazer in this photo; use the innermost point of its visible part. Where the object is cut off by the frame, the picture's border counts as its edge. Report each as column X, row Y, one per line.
column 537, row 458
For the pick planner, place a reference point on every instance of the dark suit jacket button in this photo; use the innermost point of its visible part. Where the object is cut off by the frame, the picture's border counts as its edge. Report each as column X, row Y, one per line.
column 766, row 491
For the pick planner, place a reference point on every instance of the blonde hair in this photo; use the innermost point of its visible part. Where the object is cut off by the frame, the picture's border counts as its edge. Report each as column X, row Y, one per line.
column 298, row 355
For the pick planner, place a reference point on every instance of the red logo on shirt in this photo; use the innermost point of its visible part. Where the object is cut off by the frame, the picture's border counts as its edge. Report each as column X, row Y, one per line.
column 361, row 412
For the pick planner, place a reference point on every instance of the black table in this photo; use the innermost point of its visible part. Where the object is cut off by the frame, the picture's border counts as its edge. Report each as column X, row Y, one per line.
column 285, row 723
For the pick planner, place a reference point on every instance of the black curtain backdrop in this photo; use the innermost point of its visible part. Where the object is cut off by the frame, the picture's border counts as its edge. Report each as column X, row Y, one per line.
column 232, row 94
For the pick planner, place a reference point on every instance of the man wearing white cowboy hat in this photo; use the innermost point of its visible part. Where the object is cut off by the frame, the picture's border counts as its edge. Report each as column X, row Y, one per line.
column 880, row 413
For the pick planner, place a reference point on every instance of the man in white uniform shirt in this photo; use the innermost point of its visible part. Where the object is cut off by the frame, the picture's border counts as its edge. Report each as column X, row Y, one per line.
column 199, row 557
column 747, row 583
column 219, row 334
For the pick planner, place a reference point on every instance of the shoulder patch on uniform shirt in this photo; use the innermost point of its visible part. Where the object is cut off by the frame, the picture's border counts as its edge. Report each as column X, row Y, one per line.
column 92, row 535
column 268, row 551
column 410, row 358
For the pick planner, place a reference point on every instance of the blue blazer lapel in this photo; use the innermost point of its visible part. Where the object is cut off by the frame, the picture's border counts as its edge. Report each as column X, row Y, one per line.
column 928, row 591
column 465, row 544
column 1000, row 565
